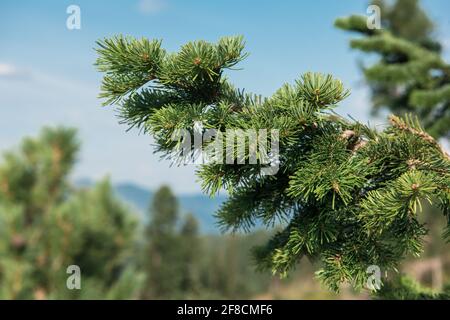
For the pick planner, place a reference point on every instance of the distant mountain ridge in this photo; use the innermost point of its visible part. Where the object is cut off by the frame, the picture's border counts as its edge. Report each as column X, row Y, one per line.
column 201, row 206
column 139, row 198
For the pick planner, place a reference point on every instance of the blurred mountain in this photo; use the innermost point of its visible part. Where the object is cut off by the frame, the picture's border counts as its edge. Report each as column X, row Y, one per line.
column 138, row 198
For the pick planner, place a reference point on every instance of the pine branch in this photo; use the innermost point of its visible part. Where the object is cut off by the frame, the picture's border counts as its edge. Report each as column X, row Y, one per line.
column 346, row 194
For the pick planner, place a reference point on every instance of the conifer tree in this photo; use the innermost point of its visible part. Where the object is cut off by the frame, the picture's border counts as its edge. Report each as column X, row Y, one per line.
column 173, row 248
column 46, row 226
column 192, row 251
column 348, row 195
column 161, row 258
column 410, row 75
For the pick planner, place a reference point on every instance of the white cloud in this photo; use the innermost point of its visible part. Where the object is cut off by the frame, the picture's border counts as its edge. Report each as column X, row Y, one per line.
column 10, row 71
column 6, row 69
column 152, row 6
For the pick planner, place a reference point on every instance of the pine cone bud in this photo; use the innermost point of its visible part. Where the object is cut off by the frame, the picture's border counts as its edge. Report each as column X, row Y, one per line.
column 347, row 134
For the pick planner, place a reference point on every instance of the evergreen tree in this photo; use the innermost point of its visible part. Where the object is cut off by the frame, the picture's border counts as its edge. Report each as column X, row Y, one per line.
column 192, row 251
column 173, row 250
column 410, row 75
column 407, row 20
column 162, row 256
column 46, row 225
column 350, row 195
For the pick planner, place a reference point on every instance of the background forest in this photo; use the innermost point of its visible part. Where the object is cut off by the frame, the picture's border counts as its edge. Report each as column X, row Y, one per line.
column 131, row 242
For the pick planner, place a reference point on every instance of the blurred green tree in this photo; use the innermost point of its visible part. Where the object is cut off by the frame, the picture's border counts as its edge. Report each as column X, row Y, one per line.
column 406, row 19
column 46, row 225
column 410, row 75
column 192, row 251
column 182, row 264
column 162, row 255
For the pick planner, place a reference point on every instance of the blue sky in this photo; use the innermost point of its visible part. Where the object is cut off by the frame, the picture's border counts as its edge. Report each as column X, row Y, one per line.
column 47, row 75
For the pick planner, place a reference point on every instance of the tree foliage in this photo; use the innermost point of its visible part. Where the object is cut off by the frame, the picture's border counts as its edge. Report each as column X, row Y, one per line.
column 405, row 288
column 164, row 256
column 348, row 195
column 46, row 225
column 410, row 75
